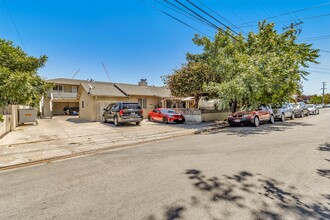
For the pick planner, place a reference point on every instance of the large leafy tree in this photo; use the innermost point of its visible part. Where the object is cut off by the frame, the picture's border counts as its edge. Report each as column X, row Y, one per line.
column 264, row 67
column 19, row 81
column 189, row 80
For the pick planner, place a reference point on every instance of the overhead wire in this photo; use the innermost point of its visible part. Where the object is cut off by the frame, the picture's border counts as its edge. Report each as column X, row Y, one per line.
column 287, row 13
column 176, row 19
column 220, row 16
column 196, row 6
column 305, row 18
column 215, row 26
column 181, row 11
column 15, row 25
column 314, row 38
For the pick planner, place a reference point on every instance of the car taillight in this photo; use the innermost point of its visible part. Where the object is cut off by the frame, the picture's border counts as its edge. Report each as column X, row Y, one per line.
column 121, row 112
column 142, row 112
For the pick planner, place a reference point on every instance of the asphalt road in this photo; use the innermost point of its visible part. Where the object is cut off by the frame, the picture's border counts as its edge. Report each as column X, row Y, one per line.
column 279, row 171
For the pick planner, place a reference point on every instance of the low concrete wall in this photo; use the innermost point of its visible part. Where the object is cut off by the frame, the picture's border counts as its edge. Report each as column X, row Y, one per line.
column 10, row 121
column 5, row 125
column 195, row 115
column 214, row 116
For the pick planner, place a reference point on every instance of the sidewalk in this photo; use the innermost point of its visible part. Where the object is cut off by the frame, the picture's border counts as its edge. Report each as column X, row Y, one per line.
column 64, row 137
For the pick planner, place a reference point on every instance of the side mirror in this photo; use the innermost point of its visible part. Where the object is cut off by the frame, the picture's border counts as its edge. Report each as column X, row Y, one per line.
column 104, row 109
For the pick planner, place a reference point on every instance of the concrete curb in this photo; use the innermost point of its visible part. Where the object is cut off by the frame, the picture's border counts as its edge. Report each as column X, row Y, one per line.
column 110, row 148
column 216, row 127
column 88, row 152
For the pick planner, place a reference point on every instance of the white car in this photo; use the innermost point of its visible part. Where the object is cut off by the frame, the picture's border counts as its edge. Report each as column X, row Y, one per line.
column 313, row 109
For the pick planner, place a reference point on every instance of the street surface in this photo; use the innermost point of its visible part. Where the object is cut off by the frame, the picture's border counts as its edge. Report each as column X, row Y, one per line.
column 67, row 136
column 279, row 171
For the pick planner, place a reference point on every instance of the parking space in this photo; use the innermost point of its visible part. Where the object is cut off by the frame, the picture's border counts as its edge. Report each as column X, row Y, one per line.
column 68, row 135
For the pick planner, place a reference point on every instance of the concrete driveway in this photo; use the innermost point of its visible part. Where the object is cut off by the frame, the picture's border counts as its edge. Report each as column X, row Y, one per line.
column 69, row 135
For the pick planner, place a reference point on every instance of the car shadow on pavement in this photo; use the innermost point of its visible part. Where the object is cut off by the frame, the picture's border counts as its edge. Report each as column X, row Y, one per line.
column 243, row 131
column 77, row 120
column 253, row 193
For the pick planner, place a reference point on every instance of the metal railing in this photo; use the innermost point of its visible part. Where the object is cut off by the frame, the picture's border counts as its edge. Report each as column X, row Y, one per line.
column 64, row 95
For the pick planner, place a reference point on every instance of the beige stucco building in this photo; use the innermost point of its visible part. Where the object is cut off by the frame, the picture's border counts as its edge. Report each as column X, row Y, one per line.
column 95, row 96
column 64, row 93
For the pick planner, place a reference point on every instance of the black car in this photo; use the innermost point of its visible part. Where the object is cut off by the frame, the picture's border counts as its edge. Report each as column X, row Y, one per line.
column 123, row 112
column 71, row 110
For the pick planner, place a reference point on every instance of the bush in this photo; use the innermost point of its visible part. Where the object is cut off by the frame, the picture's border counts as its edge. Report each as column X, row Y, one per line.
column 1, row 118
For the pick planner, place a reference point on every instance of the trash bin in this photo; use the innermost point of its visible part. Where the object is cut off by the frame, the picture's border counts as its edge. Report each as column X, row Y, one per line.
column 27, row 116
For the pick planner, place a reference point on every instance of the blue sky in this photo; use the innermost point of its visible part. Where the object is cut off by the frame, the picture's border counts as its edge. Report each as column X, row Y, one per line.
column 134, row 40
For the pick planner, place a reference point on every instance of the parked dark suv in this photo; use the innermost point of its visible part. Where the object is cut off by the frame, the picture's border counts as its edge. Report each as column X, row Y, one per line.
column 123, row 112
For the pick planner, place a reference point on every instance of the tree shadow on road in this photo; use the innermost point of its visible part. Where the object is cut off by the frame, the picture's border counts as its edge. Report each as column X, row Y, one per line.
column 243, row 131
column 252, row 193
column 324, row 172
column 324, row 147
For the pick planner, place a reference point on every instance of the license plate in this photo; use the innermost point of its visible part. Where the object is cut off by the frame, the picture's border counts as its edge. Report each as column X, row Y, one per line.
column 133, row 113
column 180, row 119
column 237, row 120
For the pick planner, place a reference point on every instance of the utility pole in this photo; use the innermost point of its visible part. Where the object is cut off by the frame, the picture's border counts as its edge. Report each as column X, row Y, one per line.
column 293, row 25
column 323, row 89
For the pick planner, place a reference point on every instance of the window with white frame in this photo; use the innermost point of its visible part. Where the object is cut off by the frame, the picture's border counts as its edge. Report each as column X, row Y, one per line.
column 143, row 103
column 58, row 88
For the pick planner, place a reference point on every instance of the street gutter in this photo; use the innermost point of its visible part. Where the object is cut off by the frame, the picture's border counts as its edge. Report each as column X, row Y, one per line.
column 214, row 127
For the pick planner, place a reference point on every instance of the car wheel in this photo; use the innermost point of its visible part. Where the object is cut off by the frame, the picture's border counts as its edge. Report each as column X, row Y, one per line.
column 302, row 114
column 116, row 122
column 307, row 113
column 149, row 118
column 256, row 121
column 138, row 122
column 292, row 116
column 104, row 120
column 272, row 119
column 165, row 120
column 283, row 117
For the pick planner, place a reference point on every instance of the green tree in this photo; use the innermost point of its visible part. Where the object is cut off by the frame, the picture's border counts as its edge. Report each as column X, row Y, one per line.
column 19, row 81
column 263, row 68
column 189, row 80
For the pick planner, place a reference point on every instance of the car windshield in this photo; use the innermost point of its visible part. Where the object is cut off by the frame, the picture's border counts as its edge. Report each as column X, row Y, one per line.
column 310, row 106
column 167, row 111
column 131, row 106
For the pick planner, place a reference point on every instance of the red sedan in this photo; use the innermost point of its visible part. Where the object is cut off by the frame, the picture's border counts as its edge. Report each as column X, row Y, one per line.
column 165, row 115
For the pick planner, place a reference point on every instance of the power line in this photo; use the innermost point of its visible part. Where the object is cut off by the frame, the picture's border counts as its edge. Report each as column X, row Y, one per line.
column 287, row 13
column 182, row 22
column 216, row 27
column 211, row 16
column 305, row 18
column 220, row 16
column 186, row 14
column 15, row 26
column 315, row 38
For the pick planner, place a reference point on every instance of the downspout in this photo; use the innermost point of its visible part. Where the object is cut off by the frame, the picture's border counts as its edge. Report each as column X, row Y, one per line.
column 51, row 105
column 95, row 108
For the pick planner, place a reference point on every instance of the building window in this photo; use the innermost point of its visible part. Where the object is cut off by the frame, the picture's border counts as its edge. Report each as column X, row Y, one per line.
column 58, row 88
column 82, row 104
column 143, row 103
